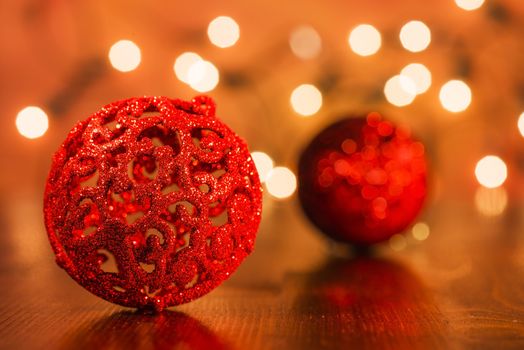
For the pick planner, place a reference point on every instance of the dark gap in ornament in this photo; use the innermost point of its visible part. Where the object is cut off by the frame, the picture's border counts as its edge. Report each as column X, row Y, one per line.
column 123, row 206
column 90, row 180
column 130, row 168
column 118, row 132
column 157, row 142
column 162, row 136
column 112, row 125
column 208, row 242
column 98, row 138
column 151, row 174
column 204, row 188
column 116, row 129
column 196, row 141
column 220, row 219
column 87, row 201
column 89, row 231
column 90, row 219
column 182, row 241
column 191, row 210
column 218, row 173
column 119, row 289
column 151, row 112
column 131, row 218
column 143, row 169
column 111, row 156
column 155, row 232
column 149, row 268
column 108, row 263
column 116, row 198
column 150, row 293
column 170, row 224
column 173, row 187
column 203, row 137
column 193, row 281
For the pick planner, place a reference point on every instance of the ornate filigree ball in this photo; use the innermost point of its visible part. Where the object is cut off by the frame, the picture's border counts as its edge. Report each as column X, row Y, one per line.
column 361, row 180
column 152, row 202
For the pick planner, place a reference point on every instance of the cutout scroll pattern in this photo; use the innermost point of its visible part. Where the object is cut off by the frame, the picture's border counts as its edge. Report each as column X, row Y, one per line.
column 152, row 202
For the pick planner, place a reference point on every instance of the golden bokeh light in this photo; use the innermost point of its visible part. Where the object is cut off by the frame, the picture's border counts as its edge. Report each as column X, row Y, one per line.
column 32, row 122
column 223, row 31
column 264, row 164
column 520, row 124
column 419, row 74
column 305, row 42
column 469, row 5
column 125, row 55
column 491, row 201
column 364, row 40
column 420, row 231
column 306, row 100
column 400, row 90
column 183, row 63
column 491, row 171
column 203, row 76
column 415, row 36
column 397, row 242
column 281, row 182
column 455, row 96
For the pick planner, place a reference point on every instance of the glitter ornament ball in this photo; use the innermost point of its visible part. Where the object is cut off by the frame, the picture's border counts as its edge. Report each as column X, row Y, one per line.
column 361, row 180
column 152, row 202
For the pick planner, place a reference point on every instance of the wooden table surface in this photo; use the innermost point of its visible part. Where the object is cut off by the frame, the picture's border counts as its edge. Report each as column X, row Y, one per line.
column 462, row 288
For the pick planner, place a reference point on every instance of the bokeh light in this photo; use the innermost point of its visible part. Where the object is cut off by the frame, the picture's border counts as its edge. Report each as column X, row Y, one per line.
column 420, row 231
column 281, row 182
column 400, row 90
column 419, row 74
column 469, row 5
column 365, row 40
column 223, row 31
column 203, row 76
column 125, row 55
column 455, row 96
column 306, row 100
column 264, row 164
column 415, row 36
column 183, row 63
column 491, row 171
column 397, row 242
column 32, row 122
column 305, row 42
column 491, row 201
column 520, row 124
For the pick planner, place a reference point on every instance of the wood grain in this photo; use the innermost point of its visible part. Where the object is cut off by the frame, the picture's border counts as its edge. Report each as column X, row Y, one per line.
column 295, row 292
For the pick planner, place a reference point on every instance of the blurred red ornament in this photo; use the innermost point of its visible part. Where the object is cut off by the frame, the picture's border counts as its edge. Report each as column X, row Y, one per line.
column 362, row 180
column 152, row 202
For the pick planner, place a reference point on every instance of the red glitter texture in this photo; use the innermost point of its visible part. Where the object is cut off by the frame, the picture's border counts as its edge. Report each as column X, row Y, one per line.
column 361, row 180
column 152, row 202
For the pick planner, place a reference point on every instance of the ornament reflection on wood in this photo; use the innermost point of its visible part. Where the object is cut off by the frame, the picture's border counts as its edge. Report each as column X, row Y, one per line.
column 361, row 180
column 152, row 202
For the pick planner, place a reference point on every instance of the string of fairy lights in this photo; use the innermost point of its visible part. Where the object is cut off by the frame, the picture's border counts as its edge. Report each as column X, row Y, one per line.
column 306, row 100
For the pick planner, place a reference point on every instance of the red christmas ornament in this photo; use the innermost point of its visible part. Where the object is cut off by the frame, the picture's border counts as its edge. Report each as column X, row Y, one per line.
column 152, row 202
column 362, row 180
